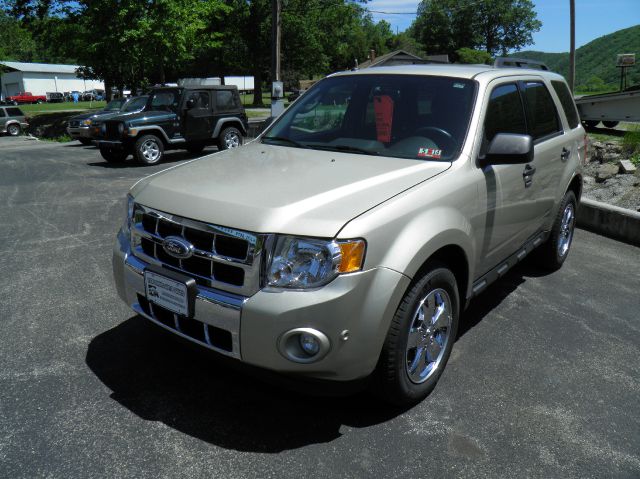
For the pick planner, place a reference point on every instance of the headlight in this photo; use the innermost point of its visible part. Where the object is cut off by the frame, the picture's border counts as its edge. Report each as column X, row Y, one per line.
column 130, row 205
column 87, row 122
column 303, row 263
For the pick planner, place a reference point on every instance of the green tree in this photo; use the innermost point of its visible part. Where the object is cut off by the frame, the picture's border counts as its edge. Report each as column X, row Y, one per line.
column 469, row 55
column 16, row 42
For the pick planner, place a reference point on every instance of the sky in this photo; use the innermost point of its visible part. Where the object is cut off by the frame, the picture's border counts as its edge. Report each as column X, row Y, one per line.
column 594, row 18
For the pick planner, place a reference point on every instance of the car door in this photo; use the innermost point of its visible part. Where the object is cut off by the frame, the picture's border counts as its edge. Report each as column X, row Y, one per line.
column 198, row 123
column 550, row 145
column 508, row 189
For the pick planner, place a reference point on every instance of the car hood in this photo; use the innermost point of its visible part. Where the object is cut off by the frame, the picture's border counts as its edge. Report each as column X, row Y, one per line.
column 148, row 116
column 265, row 188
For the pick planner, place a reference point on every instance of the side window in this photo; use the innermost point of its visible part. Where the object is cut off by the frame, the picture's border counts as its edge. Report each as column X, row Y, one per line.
column 14, row 112
column 541, row 110
column 504, row 113
column 225, row 100
column 200, row 99
column 2, row 113
column 569, row 107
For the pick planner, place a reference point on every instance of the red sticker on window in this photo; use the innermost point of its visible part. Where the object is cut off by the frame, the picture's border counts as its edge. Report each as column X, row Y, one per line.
column 429, row 153
column 383, row 106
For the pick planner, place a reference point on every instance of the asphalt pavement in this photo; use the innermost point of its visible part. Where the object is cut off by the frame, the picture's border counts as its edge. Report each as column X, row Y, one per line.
column 543, row 381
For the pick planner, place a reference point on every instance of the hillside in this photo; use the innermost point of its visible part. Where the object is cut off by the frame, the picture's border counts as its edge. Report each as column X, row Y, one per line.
column 596, row 58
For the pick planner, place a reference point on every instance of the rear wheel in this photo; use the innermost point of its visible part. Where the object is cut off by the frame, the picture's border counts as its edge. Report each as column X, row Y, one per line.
column 230, row 137
column 554, row 252
column 149, row 150
column 112, row 155
column 610, row 124
column 420, row 338
column 14, row 129
column 590, row 123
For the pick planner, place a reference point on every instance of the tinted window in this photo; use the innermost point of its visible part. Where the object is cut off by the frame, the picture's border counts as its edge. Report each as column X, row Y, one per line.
column 2, row 113
column 504, row 113
column 115, row 105
column 541, row 111
column 225, row 100
column 14, row 112
column 135, row 104
column 200, row 99
column 165, row 100
column 569, row 107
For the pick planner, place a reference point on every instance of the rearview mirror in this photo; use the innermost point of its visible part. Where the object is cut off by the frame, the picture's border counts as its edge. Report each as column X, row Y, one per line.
column 509, row 148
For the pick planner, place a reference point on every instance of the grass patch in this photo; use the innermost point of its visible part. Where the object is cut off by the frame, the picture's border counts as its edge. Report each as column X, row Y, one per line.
column 34, row 110
column 631, row 140
column 58, row 139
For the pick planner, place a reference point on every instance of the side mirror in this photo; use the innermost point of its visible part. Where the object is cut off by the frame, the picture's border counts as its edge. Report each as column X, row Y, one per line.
column 191, row 103
column 509, row 149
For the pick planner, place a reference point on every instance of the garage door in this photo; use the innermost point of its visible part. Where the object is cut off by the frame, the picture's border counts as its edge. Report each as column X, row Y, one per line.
column 12, row 89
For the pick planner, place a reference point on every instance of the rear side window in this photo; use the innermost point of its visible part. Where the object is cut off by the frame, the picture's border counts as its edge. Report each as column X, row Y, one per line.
column 541, row 110
column 2, row 113
column 225, row 100
column 504, row 113
column 14, row 112
column 569, row 107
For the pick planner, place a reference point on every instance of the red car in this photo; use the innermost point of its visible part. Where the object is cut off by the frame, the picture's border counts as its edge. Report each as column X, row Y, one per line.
column 26, row 97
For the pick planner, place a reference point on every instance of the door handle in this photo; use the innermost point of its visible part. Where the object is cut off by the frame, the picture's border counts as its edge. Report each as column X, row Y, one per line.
column 527, row 175
column 564, row 156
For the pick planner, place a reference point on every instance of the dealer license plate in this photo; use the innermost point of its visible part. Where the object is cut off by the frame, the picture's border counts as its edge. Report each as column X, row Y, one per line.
column 166, row 292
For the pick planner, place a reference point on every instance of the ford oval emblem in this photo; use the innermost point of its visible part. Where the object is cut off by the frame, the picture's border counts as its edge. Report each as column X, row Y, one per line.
column 177, row 247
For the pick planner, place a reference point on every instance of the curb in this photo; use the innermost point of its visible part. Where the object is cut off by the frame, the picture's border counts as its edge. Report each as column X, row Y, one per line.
column 608, row 220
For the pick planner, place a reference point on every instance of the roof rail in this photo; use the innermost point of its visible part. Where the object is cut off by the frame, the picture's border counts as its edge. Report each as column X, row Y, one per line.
column 511, row 62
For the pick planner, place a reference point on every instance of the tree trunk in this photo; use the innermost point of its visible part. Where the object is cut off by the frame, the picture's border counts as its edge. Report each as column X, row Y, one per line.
column 107, row 89
column 257, row 87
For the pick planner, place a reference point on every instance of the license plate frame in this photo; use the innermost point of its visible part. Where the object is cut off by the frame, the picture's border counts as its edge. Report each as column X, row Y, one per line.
column 172, row 291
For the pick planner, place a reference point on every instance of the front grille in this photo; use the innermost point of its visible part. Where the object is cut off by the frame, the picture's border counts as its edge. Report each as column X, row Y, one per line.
column 112, row 130
column 201, row 332
column 222, row 258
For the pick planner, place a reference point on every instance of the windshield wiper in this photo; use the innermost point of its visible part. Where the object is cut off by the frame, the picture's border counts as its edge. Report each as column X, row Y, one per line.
column 345, row 148
column 284, row 140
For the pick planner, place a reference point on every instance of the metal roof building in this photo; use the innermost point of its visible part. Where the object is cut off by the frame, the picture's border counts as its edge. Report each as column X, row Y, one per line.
column 40, row 78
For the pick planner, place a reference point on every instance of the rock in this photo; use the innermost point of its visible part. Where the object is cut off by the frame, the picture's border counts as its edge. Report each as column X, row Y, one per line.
column 626, row 167
column 614, row 147
column 610, row 156
column 605, row 172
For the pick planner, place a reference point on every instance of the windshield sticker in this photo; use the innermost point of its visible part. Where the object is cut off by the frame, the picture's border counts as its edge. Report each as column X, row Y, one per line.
column 383, row 106
column 458, row 85
column 429, row 153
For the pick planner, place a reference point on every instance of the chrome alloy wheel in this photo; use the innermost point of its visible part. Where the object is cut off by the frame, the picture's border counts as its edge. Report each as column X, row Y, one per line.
column 13, row 129
column 231, row 139
column 428, row 335
column 150, row 151
column 566, row 230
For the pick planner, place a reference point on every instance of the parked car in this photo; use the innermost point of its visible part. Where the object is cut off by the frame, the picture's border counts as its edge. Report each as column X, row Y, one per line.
column 346, row 241
column 87, row 126
column 12, row 120
column 25, row 97
column 68, row 96
column 189, row 117
column 93, row 95
column 54, row 97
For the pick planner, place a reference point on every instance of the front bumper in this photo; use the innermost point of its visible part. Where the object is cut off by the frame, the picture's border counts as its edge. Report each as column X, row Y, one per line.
column 360, row 303
column 79, row 132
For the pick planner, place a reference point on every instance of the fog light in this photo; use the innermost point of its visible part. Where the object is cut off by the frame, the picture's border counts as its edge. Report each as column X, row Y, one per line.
column 309, row 344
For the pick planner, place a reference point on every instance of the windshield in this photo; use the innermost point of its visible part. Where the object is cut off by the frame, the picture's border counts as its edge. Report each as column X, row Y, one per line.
column 115, row 105
column 165, row 100
column 404, row 116
column 135, row 104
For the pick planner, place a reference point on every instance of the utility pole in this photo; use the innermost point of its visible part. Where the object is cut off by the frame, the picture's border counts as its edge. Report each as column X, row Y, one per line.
column 277, row 90
column 572, row 48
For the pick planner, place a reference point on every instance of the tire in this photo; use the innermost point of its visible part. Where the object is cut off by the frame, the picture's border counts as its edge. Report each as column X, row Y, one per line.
column 85, row 141
column 149, row 150
column 590, row 123
column 610, row 124
column 230, row 137
column 195, row 148
column 14, row 129
column 401, row 377
column 38, row 102
column 555, row 250
column 113, row 156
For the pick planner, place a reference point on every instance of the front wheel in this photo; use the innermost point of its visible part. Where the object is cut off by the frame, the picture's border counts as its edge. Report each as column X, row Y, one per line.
column 554, row 252
column 113, row 155
column 149, row 150
column 590, row 123
column 229, row 138
column 610, row 124
column 420, row 338
column 13, row 129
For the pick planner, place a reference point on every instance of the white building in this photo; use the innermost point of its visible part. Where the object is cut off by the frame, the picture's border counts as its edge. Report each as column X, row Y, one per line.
column 40, row 78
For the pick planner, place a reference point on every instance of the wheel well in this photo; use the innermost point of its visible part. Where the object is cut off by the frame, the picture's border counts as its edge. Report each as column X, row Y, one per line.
column 155, row 132
column 235, row 124
column 576, row 186
column 455, row 259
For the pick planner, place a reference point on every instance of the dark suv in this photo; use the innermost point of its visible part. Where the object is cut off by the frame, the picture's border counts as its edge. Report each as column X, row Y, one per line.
column 177, row 118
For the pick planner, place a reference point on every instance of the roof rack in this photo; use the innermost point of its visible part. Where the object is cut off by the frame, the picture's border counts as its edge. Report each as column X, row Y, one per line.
column 511, row 62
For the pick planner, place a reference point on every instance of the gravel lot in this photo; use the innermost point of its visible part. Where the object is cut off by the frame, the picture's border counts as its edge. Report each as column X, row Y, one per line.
column 544, row 379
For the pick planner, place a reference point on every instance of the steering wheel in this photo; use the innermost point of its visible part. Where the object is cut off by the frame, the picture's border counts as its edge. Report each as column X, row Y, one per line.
column 444, row 135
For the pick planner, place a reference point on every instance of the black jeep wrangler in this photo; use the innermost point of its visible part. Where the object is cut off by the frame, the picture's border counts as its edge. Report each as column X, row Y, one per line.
column 187, row 118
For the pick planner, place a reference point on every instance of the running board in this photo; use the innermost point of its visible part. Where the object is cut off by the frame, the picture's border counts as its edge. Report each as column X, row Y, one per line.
column 496, row 273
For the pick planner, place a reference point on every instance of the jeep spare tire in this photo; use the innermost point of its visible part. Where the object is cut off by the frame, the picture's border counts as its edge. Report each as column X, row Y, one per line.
column 149, row 150
column 230, row 137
